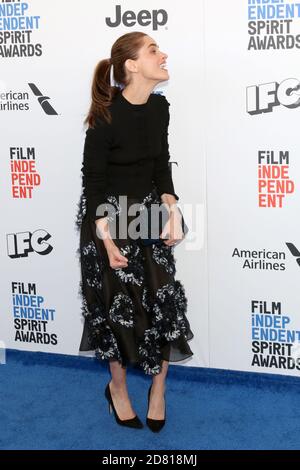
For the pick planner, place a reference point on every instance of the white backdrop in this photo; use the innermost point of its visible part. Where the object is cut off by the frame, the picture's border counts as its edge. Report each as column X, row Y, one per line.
column 215, row 136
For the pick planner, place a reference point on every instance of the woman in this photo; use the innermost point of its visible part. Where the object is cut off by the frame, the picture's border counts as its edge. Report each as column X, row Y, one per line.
column 133, row 307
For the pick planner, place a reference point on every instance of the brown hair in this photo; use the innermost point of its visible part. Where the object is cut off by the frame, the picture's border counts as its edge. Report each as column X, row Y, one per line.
column 102, row 93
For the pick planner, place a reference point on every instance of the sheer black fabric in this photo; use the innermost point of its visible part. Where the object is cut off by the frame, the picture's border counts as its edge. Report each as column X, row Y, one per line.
column 134, row 315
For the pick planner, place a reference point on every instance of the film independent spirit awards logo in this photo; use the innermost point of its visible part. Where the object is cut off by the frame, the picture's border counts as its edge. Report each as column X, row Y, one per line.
column 275, row 342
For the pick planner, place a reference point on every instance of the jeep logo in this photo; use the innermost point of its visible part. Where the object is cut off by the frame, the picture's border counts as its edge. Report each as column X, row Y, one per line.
column 143, row 18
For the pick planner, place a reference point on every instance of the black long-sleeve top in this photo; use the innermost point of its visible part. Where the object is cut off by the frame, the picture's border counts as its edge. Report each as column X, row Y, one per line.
column 130, row 156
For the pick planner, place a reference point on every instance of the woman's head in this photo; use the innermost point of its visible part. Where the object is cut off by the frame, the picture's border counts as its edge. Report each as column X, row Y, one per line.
column 145, row 64
column 135, row 59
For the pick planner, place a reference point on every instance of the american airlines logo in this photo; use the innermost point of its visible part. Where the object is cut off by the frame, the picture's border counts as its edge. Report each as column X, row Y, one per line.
column 295, row 252
column 43, row 100
column 17, row 100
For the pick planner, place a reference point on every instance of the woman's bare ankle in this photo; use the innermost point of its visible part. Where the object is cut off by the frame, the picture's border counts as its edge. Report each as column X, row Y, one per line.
column 119, row 387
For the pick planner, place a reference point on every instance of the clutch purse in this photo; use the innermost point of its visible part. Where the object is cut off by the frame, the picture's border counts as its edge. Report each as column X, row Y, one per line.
column 154, row 219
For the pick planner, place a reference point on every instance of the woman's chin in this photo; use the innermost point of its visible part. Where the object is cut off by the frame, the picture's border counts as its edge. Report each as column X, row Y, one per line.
column 164, row 75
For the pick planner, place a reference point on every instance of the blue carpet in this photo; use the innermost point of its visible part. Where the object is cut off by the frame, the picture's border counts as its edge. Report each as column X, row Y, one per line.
column 51, row 401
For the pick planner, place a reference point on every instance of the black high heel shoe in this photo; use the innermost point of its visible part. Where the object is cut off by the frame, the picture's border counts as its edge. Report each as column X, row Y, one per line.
column 132, row 423
column 155, row 424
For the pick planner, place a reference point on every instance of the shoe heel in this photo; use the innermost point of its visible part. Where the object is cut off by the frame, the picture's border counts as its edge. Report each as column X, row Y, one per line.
column 132, row 423
column 155, row 424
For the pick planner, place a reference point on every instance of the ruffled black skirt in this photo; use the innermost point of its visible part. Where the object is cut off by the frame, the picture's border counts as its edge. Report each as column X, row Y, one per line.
column 134, row 315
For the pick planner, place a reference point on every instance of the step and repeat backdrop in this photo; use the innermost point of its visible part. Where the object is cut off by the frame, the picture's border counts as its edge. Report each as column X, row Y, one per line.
column 234, row 96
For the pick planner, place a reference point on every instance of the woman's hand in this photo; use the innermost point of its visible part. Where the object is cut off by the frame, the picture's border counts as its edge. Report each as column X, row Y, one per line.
column 116, row 259
column 173, row 229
